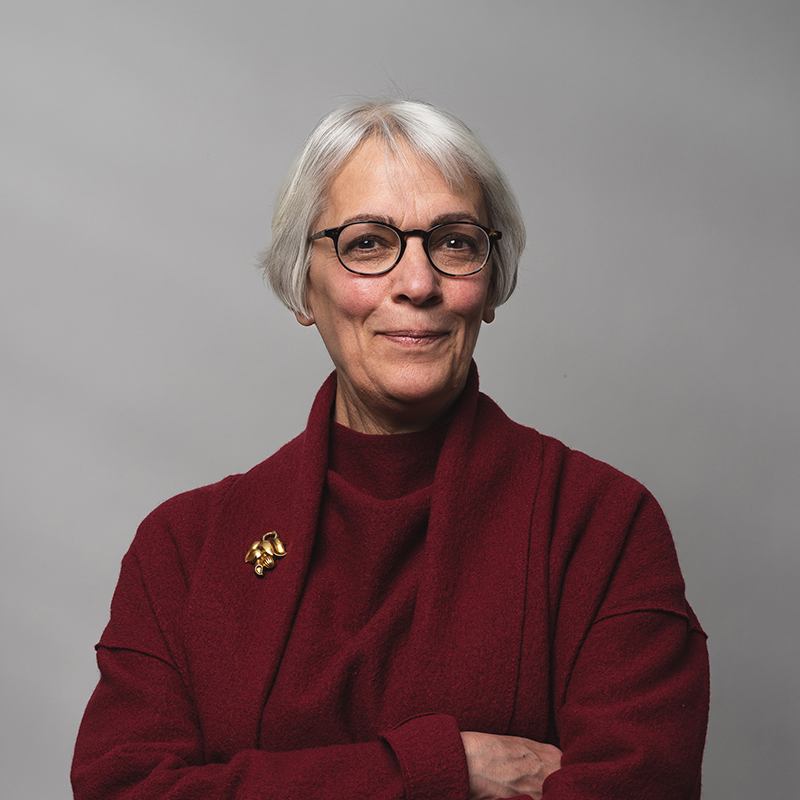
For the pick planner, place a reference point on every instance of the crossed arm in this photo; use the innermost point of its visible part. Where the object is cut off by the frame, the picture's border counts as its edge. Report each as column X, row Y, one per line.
column 632, row 726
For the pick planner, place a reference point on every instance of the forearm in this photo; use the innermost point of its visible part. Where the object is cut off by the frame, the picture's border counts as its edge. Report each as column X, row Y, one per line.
column 140, row 739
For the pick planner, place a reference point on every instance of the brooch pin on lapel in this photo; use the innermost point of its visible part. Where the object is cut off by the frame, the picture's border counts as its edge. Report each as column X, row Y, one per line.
column 264, row 552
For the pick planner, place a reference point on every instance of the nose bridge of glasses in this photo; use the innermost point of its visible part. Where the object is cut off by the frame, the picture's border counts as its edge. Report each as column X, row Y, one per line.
column 415, row 232
column 404, row 237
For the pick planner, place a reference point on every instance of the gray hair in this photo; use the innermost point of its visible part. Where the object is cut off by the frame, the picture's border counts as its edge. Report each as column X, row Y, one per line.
column 432, row 135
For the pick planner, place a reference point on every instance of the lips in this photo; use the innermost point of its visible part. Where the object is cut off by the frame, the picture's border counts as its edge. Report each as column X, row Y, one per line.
column 420, row 337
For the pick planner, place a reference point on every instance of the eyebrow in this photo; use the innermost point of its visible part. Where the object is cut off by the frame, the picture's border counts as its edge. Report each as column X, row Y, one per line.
column 442, row 219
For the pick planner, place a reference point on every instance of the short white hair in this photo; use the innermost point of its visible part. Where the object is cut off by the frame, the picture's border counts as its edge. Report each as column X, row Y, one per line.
column 427, row 132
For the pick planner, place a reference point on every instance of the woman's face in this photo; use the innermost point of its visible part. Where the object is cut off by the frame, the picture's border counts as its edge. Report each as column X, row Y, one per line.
column 401, row 342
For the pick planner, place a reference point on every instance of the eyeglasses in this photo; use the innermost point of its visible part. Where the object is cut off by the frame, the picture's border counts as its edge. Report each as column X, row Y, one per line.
column 373, row 248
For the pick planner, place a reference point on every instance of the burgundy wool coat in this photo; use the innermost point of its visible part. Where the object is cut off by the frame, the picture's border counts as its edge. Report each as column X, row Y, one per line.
column 549, row 604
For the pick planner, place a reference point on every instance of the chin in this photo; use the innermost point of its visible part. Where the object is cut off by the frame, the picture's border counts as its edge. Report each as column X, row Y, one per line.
column 426, row 386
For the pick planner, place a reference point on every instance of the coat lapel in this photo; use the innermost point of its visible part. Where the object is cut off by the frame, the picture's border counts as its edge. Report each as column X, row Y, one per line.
column 238, row 623
column 463, row 647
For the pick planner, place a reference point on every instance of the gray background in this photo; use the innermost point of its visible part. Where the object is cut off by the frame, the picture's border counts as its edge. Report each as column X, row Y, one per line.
column 655, row 147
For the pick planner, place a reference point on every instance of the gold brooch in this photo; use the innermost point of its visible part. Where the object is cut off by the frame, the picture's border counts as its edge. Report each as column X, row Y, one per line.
column 264, row 553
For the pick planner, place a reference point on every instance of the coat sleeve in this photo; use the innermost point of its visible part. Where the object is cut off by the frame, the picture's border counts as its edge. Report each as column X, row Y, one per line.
column 634, row 720
column 632, row 696
column 141, row 736
column 140, row 739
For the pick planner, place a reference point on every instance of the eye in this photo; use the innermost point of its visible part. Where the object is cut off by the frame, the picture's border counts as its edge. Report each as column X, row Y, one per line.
column 456, row 241
column 364, row 243
column 367, row 242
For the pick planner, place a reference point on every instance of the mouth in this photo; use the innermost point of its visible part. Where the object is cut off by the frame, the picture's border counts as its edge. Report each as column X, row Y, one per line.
column 414, row 337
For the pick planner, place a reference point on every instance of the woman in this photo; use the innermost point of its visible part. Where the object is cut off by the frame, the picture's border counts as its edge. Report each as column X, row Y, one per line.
column 464, row 608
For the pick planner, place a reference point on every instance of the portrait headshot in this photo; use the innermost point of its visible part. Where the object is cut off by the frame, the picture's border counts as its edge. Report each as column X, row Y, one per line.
column 401, row 402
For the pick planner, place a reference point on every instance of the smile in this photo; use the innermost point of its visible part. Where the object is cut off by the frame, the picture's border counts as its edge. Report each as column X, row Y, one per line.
column 414, row 338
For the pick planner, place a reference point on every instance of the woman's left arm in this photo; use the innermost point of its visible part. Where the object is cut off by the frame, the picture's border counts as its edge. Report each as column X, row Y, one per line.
column 633, row 721
column 629, row 662
column 632, row 724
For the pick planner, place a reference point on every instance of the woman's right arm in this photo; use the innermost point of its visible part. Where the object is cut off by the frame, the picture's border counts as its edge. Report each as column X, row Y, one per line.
column 140, row 738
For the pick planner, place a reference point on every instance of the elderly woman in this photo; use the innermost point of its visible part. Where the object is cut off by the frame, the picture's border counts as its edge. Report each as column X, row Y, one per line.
column 462, row 609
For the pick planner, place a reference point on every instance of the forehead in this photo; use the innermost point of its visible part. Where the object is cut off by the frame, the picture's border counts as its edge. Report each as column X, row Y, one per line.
column 375, row 181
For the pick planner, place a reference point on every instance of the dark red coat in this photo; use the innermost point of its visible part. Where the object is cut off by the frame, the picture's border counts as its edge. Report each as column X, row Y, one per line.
column 549, row 605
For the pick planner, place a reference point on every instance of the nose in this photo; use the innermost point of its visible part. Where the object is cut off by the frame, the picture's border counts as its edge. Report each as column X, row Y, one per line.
column 414, row 279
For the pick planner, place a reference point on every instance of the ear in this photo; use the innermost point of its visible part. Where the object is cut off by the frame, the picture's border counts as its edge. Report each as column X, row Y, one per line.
column 488, row 313
column 303, row 319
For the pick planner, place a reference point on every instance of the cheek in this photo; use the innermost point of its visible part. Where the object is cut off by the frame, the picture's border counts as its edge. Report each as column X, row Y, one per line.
column 470, row 300
column 343, row 301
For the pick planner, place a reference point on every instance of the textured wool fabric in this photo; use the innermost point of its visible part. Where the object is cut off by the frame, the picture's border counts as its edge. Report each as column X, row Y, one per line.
column 360, row 592
column 538, row 595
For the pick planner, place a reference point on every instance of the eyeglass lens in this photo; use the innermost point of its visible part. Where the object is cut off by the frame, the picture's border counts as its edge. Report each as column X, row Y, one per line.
column 369, row 248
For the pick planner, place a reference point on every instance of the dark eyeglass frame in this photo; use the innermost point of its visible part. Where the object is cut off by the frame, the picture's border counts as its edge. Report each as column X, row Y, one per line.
column 334, row 233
